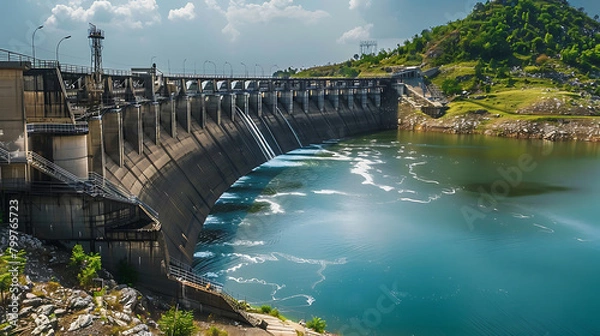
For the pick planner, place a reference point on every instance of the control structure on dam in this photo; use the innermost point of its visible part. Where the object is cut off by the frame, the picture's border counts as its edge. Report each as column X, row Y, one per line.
column 129, row 163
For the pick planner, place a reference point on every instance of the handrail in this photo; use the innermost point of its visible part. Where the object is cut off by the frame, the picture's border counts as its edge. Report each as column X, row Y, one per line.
column 94, row 185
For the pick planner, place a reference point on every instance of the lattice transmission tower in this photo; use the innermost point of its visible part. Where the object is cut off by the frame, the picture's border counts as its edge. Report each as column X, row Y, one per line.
column 368, row 47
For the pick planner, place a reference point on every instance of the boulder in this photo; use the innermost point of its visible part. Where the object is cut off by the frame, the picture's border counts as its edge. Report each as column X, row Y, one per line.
column 81, row 322
column 45, row 309
column 129, row 299
column 135, row 330
column 35, row 302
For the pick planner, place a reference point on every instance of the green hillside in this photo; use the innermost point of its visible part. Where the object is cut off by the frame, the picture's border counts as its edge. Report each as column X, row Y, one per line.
column 502, row 45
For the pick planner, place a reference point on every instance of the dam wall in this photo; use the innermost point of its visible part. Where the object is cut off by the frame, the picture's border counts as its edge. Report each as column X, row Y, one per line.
column 183, row 172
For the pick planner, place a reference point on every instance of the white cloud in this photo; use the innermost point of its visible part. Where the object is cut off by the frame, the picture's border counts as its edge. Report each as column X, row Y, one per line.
column 239, row 13
column 355, row 4
column 184, row 13
column 135, row 14
column 356, row 34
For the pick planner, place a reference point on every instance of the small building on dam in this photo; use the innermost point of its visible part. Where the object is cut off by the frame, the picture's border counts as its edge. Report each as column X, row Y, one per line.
column 130, row 163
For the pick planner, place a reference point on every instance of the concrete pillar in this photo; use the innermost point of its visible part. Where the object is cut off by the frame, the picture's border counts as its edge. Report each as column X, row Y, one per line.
column 349, row 93
column 256, row 102
column 96, row 161
column 270, row 99
column 113, row 136
column 287, row 99
column 213, row 107
column 184, row 112
column 303, row 97
column 228, row 102
column 334, row 97
column 151, row 121
column 376, row 96
column 363, row 98
column 167, row 116
column 243, row 102
column 321, row 99
column 198, row 111
column 133, row 130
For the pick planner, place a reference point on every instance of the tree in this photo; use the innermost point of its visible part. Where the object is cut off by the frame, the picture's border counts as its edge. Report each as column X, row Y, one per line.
column 317, row 324
column 88, row 265
column 177, row 322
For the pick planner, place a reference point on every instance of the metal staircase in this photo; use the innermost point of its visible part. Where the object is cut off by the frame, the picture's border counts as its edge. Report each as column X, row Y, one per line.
column 96, row 185
column 184, row 274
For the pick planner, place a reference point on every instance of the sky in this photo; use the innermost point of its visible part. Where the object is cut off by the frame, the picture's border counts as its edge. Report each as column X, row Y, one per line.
column 217, row 36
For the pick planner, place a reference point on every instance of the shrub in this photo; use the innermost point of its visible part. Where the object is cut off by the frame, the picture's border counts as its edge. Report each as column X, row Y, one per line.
column 265, row 309
column 214, row 331
column 88, row 264
column 317, row 324
column 178, row 322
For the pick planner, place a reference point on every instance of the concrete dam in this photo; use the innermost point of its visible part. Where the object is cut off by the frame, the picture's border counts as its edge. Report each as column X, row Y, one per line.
column 130, row 163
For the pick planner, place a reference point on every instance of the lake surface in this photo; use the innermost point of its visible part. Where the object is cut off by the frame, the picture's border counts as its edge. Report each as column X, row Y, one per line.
column 402, row 233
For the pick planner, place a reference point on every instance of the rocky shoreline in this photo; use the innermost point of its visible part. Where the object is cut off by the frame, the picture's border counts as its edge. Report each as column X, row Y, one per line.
column 49, row 302
column 481, row 122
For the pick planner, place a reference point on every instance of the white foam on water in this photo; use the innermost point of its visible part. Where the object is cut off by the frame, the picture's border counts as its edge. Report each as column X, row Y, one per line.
column 282, row 163
column 235, row 268
column 330, row 192
column 300, row 194
column 362, row 168
column 204, row 254
column 449, row 191
column 276, row 287
column 228, row 195
column 544, row 229
column 309, row 299
column 425, row 201
column 521, row 216
column 411, row 171
column 275, row 207
column 248, row 243
column 210, row 275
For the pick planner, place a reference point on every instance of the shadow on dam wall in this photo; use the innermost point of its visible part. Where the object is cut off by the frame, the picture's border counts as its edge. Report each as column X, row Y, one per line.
column 182, row 176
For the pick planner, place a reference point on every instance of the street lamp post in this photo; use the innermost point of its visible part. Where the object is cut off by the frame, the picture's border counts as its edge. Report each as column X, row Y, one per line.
column 245, row 69
column 261, row 69
column 58, row 45
column 185, row 59
column 33, row 42
column 274, row 66
column 230, row 69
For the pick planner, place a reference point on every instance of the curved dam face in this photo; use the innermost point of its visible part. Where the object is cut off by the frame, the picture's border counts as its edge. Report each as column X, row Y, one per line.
column 184, row 164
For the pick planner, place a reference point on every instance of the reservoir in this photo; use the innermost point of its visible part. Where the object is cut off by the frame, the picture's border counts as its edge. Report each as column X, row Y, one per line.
column 401, row 233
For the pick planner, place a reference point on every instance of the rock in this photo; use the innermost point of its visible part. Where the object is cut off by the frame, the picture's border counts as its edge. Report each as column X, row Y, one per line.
column 135, row 321
column 129, row 299
column 30, row 296
column 59, row 312
column 81, row 322
column 81, row 302
column 45, row 309
column 122, row 316
column 135, row 330
column 33, row 302
column 42, row 320
column 25, row 311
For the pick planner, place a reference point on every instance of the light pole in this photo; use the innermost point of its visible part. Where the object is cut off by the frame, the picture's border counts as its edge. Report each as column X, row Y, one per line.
column 230, row 69
column 194, row 68
column 211, row 62
column 245, row 69
column 185, row 59
column 58, row 45
column 274, row 66
column 261, row 69
column 33, row 42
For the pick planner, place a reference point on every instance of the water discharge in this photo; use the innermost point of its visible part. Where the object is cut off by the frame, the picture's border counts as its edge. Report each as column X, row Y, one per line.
column 417, row 234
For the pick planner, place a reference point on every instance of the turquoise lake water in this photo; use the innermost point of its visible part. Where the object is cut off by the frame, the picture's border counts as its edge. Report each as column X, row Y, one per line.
column 401, row 233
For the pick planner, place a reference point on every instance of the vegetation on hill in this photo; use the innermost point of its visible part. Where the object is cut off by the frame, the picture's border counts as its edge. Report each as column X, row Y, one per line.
column 547, row 41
